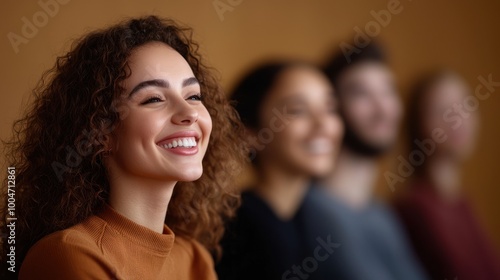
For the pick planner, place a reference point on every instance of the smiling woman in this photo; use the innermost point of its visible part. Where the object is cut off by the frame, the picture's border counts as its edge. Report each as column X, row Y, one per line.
column 279, row 223
column 128, row 141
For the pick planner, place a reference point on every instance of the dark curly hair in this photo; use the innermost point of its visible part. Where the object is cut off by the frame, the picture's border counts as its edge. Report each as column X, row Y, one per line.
column 58, row 146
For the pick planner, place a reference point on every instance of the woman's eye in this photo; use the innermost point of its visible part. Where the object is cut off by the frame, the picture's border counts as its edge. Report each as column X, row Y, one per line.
column 152, row 100
column 196, row 97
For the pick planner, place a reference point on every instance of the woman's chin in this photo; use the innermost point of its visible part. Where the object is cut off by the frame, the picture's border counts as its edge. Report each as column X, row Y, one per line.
column 319, row 170
column 189, row 175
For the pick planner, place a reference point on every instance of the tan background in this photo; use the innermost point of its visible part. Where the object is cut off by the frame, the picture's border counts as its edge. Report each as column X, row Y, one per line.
column 463, row 35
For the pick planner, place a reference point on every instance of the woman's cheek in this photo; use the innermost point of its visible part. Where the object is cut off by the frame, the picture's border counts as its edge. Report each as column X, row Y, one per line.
column 205, row 121
column 296, row 130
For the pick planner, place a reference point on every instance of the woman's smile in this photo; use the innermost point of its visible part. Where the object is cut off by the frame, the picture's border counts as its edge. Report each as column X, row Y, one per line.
column 181, row 143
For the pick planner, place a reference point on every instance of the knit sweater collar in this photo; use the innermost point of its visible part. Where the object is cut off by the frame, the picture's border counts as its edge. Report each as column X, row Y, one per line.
column 140, row 235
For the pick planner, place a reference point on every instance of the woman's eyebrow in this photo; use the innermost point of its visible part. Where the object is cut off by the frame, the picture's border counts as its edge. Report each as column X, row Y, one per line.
column 149, row 83
column 162, row 84
column 190, row 81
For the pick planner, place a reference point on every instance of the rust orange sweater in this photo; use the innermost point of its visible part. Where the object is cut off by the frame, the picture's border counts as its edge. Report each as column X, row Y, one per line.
column 110, row 246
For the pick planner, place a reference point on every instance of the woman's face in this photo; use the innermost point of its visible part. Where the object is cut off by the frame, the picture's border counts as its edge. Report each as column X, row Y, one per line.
column 301, row 112
column 443, row 107
column 164, row 127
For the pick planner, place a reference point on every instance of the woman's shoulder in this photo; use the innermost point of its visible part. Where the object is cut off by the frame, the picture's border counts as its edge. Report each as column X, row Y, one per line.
column 85, row 234
column 64, row 239
column 63, row 254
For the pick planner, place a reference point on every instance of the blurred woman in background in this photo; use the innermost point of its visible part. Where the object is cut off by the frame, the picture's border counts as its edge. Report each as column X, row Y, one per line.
column 291, row 118
column 443, row 126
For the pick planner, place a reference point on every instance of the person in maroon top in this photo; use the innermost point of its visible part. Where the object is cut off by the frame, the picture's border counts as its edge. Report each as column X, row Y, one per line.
column 437, row 215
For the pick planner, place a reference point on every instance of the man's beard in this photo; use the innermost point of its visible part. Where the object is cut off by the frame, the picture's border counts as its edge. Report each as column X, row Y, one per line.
column 356, row 144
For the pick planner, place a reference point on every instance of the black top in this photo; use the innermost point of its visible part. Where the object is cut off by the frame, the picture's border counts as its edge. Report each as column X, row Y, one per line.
column 259, row 245
column 324, row 240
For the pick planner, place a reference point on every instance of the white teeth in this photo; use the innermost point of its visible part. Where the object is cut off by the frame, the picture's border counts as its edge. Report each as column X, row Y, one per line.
column 188, row 142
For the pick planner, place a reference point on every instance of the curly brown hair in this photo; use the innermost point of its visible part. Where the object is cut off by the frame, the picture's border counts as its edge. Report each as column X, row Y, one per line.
column 58, row 146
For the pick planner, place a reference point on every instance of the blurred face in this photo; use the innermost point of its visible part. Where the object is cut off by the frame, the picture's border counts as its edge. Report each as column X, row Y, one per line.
column 461, row 133
column 370, row 105
column 164, row 129
column 301, row 111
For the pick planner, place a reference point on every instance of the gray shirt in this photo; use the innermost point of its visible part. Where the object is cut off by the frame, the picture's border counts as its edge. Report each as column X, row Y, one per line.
column 372, row 244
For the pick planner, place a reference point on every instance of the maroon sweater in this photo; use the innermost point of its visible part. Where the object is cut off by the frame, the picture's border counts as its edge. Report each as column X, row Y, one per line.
column 446, row 236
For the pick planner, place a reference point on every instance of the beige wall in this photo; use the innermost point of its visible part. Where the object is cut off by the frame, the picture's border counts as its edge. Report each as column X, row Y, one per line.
column 460, row 34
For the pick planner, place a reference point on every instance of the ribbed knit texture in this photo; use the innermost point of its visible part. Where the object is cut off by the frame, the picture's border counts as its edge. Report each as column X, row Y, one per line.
column 110, row 246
